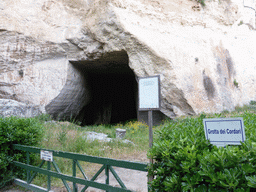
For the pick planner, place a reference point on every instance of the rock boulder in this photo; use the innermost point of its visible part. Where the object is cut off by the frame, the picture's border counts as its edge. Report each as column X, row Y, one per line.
column 10, row 107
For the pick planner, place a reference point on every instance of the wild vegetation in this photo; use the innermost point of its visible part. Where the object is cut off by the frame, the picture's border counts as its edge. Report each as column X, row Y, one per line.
column 70, row 137
column 202, row 2
column 13, row 130
column 184, row 160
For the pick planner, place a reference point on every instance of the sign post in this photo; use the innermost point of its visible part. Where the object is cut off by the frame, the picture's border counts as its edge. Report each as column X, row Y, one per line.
column 149, row 100
column 222, row 132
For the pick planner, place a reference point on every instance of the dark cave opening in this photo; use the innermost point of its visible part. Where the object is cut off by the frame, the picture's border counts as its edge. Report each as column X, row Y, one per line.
column 113, row 90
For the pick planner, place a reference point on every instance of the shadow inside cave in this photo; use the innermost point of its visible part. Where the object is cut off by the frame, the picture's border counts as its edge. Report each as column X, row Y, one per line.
column 100, row 91
column 113, row 90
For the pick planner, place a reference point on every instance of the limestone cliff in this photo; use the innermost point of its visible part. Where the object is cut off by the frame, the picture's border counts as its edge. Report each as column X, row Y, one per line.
column 82, row 58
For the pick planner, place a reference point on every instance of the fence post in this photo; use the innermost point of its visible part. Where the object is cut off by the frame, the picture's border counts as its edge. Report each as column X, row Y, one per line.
column 28, row 171
column 107, row 174
column 74, row 175
column 49, row 176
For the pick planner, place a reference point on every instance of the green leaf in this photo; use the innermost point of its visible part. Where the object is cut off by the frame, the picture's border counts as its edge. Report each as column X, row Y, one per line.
column 248, row 168
column 251, row 181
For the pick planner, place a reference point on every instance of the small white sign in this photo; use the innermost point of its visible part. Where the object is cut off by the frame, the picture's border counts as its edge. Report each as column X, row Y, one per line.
column 149, row 93
column 46, row 155
column 221, row 132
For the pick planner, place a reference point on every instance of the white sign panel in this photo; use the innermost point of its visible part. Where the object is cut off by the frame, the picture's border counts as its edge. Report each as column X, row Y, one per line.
column 46, row 155
column 221, row 132
column 149, row 93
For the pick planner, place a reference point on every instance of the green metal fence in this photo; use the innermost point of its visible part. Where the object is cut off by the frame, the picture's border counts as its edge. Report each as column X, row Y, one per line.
column 107, row 165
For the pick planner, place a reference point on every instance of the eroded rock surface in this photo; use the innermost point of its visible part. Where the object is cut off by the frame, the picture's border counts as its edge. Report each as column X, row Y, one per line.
column 54, row 52
column 14, row 108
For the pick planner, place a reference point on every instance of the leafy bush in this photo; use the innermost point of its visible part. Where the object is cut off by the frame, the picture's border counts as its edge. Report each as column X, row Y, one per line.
column 202, row 2
column 252, row 102
column 236, row 83
column 13, row 130
column 185, row 161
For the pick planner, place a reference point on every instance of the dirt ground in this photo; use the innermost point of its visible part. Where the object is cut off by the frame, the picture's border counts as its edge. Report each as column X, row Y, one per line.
column 133, row 180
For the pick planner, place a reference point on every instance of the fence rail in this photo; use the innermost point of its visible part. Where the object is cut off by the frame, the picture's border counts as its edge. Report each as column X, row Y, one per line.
column 107, row 165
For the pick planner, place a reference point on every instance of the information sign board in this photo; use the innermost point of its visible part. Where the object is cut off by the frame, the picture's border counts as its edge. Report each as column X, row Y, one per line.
column 46, row 155
column 149, row 93
column 149, row 99
column 221, row 132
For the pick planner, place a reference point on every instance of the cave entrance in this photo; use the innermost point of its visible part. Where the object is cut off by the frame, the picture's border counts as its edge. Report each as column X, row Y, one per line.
column 112, row 90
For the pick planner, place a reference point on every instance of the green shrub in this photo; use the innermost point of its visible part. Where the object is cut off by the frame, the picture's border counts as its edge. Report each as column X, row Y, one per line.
column 252, row 102
column 13, row 130
column 202, row 2
column 185, row 161
column 241, row 23
column 236, row 83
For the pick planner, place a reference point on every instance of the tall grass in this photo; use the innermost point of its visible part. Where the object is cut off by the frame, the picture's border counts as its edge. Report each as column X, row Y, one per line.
column 70, row 137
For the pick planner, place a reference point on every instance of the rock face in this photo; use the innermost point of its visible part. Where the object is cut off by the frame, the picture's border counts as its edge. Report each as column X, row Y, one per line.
column 14, row 108
column 82, row 59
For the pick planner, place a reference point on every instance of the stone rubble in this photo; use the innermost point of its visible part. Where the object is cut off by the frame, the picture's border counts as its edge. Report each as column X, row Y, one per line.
column 91, row 135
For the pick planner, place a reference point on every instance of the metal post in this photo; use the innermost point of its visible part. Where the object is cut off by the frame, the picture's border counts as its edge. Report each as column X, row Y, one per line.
column 107, row 174
column 28, row 171
column 74, row 175
column 150, row 125
column 49, row 177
